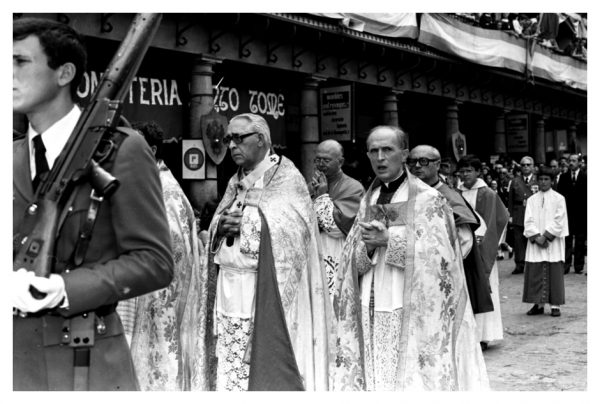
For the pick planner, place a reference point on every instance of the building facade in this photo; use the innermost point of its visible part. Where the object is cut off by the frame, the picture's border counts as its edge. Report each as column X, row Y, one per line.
column 315, row 77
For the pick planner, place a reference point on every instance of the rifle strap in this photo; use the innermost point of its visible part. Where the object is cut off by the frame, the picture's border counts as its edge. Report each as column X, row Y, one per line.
column 105, row 156
column 85, row 234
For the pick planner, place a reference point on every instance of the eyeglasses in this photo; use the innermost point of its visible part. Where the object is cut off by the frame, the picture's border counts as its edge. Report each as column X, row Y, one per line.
column 526, row 164
column 423, row 161
column 237, row 137
column 319, row 160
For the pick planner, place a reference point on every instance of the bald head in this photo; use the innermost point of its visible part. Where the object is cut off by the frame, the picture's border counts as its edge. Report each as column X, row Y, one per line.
column 333, row 146
column 329, row 158
column 424, row 162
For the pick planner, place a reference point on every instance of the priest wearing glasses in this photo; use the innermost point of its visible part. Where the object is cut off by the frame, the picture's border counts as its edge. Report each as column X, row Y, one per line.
column 269, row 314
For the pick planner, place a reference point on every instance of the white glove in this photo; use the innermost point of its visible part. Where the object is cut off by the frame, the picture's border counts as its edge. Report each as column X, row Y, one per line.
column 21, row 298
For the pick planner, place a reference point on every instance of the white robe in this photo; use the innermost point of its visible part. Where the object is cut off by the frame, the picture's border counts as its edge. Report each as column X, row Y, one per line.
column 546, row 211
column 489, row 325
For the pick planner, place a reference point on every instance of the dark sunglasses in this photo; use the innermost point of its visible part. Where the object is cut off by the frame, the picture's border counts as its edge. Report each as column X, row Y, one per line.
column 423, row 161
column 236, row 137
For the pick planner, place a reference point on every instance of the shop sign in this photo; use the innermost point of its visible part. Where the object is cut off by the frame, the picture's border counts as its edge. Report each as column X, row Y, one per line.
column 517, row 133
column 239, row 99
column 194, row 159
column 159, row 92
column 336, row 113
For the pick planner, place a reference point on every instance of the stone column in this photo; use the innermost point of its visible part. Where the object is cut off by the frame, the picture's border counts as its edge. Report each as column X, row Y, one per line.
column 200, row 192
column 539, row 153
column 390, row 108
column 500, row 135
column 451, row 127
column 309, row 123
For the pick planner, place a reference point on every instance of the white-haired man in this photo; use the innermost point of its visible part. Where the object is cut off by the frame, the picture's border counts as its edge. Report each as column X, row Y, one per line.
column 267, row 287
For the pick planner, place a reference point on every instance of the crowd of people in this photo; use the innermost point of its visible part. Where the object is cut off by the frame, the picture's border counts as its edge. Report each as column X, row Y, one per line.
column 297, row 285
column 564, row 33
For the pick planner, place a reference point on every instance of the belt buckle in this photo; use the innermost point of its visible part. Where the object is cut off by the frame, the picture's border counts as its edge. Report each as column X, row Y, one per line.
column 82, row 330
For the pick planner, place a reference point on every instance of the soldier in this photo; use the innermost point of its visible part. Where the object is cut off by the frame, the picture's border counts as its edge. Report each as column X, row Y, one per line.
column 520, row 189
column 129, row 253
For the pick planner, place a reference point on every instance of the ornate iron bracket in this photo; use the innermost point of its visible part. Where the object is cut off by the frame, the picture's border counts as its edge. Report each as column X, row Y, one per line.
column 361, row 70
column 271, row 56
column 296, row 62
column 497, row 99
column 459, row 90
column 342, row 71
column 320, row 66
column 180, row 29
column 244, row 51
column 105, row 25
column 399, row 73
column 473, row 92
column 213, row 46
column 445, row 83
column 423, row 73
column 319, row 58
column 380, row 77
column 431, row 79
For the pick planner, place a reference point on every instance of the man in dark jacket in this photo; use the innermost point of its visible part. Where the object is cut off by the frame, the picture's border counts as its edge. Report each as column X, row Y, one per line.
column 129, row 253
column 520, row 189
column 573, row 186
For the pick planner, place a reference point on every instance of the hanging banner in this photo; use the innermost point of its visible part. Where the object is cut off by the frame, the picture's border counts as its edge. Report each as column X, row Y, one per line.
column 193, row 159
column 517, row 133
column 336, row 113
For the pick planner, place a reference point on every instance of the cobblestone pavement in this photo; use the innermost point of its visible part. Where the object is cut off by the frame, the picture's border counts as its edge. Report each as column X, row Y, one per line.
column 539, row 353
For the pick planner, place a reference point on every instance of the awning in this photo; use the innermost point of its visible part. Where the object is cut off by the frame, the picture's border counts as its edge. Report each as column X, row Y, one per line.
column 499, row 49
column 393, row 25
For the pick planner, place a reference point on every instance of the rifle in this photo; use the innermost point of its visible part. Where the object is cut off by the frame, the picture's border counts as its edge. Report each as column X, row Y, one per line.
column 34, row 246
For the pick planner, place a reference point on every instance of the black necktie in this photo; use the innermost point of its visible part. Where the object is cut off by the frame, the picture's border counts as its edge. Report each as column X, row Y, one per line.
column 574, row 177
column 526, row 180
column 41, row 164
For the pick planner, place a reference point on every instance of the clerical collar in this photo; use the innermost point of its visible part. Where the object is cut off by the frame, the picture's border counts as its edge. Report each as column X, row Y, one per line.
column 394, row 185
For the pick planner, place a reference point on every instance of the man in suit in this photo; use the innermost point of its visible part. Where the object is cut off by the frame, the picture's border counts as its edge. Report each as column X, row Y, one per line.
column 519, row 191
column 129, row 253
column 573, row 186
column 563, row 168
column 445, row 170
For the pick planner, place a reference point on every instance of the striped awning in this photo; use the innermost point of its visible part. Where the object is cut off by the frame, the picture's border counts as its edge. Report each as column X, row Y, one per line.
column 500, row 49
column 392, row 25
